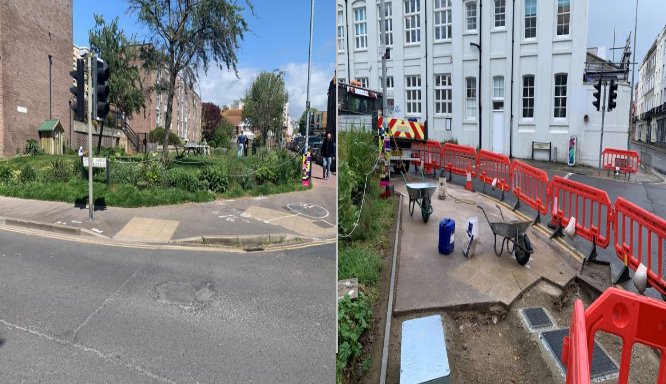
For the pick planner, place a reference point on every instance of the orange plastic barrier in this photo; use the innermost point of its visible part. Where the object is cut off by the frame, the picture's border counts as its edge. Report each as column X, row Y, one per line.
column 417, row 148
column 626, row 162
column 459, row 159
column 530, row 185
column 491, row 165
column 634, row 318
column 588, row 205
column 639, row 238
column 432, row 156
column 575, row 355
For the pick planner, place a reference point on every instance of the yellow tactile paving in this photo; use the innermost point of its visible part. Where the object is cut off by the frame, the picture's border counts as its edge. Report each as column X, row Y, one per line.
column 147, row 230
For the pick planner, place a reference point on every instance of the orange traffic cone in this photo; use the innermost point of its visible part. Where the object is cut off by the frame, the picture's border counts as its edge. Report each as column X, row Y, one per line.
column 553, row 215
column 468, row 183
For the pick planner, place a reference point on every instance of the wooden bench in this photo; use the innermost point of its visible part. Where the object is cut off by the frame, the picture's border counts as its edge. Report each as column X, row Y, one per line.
column 542, row 146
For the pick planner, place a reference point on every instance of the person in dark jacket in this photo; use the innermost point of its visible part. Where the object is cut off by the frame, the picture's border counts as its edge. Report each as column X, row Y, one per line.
column 327, row 154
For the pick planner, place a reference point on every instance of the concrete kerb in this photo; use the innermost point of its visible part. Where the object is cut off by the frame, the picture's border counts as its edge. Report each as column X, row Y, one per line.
column 247, row 242
column 42, row 226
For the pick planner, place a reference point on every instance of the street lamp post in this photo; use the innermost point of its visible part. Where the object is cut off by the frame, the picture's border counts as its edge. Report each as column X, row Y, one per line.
column 478, row 46
column 307, row 101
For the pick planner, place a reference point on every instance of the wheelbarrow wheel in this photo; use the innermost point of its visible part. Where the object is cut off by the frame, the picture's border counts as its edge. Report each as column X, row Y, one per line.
column 523, row 249
column 412, row 202
column 426, row 209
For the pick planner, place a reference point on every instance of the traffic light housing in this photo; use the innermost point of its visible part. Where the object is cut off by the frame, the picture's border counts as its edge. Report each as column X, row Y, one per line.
column 78, row 90
column 597, row 95
column 612, row 95
column 100, row 90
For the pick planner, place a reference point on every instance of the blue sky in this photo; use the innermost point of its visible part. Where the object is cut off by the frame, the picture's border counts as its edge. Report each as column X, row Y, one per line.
column 278, row 40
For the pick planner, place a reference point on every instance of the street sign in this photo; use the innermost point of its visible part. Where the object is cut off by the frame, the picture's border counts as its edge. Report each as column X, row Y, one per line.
column 98, row 162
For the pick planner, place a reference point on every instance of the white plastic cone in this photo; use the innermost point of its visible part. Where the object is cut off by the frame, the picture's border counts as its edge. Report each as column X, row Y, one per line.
column 640, row 278
column 570, row 229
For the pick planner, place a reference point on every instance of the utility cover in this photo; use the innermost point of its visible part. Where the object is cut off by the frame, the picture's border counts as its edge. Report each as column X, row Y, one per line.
column 602, row 365
column 423, row 357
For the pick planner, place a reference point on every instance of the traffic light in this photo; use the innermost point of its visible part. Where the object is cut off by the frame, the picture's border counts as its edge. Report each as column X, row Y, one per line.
column 100, row 90
column 612, row 95
column 78, row 91
column 597, row 95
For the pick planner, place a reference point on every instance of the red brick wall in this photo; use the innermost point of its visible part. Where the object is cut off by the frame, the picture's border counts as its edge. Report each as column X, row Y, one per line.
column 30, row 30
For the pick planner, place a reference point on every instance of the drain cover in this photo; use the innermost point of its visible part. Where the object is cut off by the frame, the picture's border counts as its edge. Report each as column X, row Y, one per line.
column 185, row 295
column 602, row 365
column 537, row 318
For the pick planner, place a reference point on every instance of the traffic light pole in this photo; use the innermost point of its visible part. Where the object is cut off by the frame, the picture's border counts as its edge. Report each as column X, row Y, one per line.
column 603, row 115
column 385, row 133
column 91, row 207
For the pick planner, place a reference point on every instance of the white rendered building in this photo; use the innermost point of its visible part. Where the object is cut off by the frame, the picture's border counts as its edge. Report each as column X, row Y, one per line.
column 651, row 124
column 530, row 90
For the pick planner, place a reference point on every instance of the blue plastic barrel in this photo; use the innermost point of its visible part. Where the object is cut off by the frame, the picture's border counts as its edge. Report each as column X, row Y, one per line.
column 447, row 230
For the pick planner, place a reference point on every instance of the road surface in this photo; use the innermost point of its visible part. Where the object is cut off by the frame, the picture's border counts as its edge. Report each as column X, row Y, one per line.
column 81, row 313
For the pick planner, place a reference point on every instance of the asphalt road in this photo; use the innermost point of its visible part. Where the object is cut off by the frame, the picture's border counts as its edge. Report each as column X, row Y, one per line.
column 80, row 313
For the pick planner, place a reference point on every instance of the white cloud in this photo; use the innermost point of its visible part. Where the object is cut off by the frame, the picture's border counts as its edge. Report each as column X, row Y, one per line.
column 222, row 87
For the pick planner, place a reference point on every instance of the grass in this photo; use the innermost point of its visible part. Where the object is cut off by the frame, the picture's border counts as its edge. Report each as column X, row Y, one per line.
column 74, row 189
column 361, row 262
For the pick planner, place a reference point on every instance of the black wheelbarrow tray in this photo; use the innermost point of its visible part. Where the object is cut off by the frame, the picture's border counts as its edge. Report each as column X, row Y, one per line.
column 513, row 233
column 420, row 193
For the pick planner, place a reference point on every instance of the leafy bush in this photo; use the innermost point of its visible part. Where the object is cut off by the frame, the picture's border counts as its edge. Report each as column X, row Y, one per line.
column 28, row 174
column 217, row 178
column 212, row 144
column 61, row 170
column 182, row 179
column 151, row 174
column 157, row 136
column 353, row 319
column 361, row 262
column 5, row 173
column 32, row 147
column 124, row 173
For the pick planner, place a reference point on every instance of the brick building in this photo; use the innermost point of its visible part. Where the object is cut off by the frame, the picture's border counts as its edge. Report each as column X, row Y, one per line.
column 186, row 113
column 35, row 42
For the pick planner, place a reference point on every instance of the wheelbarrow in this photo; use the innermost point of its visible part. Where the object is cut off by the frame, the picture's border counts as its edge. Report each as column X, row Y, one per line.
column 420, row 193
column 514, row 237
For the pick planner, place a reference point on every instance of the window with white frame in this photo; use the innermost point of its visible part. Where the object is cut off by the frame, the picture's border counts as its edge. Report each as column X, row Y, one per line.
column 443, row 94
column 530, row 18
column 470, row 98
column 363, row 81
column 560, row 110
column 500, row 13
column 412, row 21
column 388, row 24
column 528, row 96
column 389, row 82
column 470, row 16
column 341, row 31
column 413, row 94
column 442, row 19
column 498, row 93
column 360, row 28
column 563, row 17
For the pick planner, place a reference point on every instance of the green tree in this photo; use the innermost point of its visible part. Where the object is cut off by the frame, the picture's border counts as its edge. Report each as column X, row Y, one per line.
column 302, row 121
column 110, row 43
column 158, row 134
column 186, row 36
column 223, row 133
column 264, row 103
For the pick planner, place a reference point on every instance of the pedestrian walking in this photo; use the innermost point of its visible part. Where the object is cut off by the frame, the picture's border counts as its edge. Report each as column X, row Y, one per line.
column 241, row 144
column 327, row 154
column 246, row 145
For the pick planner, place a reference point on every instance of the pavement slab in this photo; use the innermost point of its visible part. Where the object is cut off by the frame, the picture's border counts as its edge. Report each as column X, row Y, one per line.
column 429, row 280
column 147, row 230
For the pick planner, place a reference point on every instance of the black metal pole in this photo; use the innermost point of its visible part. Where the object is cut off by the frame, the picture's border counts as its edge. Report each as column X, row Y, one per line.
column 50, row 65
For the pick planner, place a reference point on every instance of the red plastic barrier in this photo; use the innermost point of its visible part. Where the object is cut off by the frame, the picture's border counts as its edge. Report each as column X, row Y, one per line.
column 417, row 148
column 587, row 204
column 459, row 159
column 619, row 159
column 634, row 318
column 530, row 185
column 575, row 355
column 639, row 238
column 431, row 158
column 491, row 165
